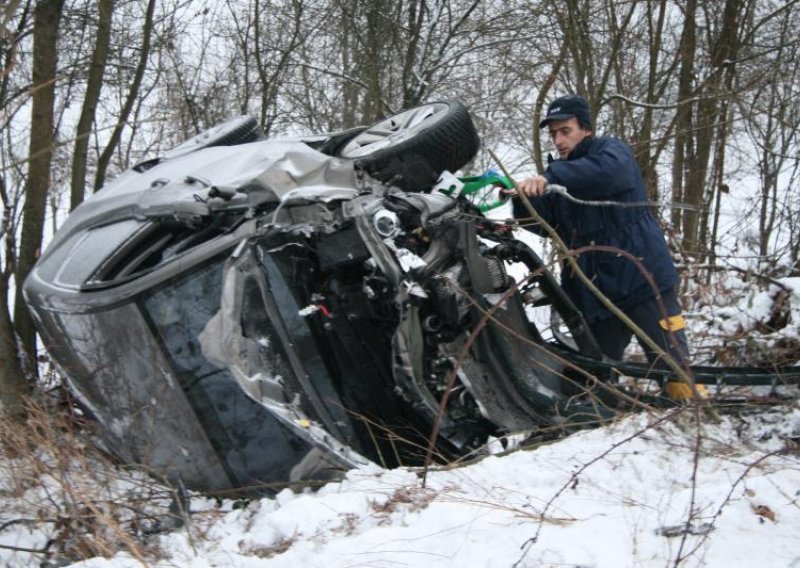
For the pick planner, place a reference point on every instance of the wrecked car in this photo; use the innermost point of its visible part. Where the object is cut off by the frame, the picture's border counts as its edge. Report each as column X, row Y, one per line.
column 242, row 312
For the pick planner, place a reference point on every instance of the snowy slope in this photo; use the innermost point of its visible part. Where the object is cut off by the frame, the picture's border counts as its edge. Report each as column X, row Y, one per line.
column 649, row 490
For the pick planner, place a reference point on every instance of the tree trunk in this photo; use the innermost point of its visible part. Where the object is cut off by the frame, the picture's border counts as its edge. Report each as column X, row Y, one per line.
column 130, row 101
column 105, row 10
column 683, row 122
column 537, row 113
column 723, row 54
column 13, row 386
column 719, row 188
column 412, row 90
column 47, row 16
column 573, row 22
column 644, row 155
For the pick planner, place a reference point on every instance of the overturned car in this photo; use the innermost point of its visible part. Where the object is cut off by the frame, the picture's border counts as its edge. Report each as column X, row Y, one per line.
column 242, row 312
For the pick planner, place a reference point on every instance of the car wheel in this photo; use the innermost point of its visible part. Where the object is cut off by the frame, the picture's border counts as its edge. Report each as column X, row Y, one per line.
column 411, row 149
column 238, row 130
column 333, row 145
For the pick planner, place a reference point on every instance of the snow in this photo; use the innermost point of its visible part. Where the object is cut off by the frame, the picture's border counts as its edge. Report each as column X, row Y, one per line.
column 596, row 499
column 647, row 490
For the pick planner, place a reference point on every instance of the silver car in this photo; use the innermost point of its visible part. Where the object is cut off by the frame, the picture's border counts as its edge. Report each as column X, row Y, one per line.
column 247, row 313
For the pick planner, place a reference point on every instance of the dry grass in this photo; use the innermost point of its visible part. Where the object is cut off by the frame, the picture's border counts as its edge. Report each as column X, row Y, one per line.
column 65, row 501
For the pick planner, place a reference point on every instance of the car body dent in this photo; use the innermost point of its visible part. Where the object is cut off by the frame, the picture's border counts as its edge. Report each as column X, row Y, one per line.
column 103, row 339
column 257, row 173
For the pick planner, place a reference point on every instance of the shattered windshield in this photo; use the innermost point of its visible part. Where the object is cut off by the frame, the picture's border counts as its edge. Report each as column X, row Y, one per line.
column 247, row 437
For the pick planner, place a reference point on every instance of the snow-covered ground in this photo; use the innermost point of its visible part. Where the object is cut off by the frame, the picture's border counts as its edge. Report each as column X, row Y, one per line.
column 649, row 490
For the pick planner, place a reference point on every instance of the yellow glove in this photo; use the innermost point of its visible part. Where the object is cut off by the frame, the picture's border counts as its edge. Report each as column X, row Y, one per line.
column 678, row 390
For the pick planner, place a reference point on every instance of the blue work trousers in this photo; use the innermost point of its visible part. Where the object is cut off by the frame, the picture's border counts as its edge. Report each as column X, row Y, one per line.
column 660, row 319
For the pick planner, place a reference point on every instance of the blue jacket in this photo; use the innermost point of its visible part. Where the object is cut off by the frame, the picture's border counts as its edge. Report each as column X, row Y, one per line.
column 604, row 169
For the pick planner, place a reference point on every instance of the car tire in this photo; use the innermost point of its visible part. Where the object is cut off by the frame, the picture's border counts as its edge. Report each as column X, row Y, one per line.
column 412, row 148
column 238, row 130
column 334, row 144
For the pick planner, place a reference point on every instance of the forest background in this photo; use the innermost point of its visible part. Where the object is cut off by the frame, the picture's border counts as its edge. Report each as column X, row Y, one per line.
column 707, row 92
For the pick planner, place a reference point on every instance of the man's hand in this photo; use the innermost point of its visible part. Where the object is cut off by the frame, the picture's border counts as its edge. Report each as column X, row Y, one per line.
column 532, row 186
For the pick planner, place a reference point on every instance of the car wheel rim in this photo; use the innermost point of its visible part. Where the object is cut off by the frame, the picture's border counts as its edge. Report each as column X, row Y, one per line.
column 394, row 130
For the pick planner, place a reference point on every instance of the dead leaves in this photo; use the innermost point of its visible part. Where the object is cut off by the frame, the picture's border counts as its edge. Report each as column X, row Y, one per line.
column 763, row 512
column 411, row 498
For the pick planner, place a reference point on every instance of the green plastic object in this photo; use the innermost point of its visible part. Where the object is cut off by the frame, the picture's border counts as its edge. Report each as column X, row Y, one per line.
column 481, row 190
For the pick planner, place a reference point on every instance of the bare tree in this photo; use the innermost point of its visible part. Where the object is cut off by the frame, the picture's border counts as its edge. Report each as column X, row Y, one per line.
column 268, row 35
column 772, row 117
column 13, row 385
column 724, row 45
column 105, row 11
column 47, row 16
column 130, row 99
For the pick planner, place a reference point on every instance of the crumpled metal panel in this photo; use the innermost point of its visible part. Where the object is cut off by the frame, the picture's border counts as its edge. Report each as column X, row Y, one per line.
column 254, row 174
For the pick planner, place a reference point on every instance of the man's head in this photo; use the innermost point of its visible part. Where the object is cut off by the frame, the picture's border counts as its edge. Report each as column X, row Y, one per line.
column 569, row 121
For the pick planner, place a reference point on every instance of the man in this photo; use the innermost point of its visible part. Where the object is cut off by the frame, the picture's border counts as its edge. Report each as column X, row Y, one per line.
column 604, row 169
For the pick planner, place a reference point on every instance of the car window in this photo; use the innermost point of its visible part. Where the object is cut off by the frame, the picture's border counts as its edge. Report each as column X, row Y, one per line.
column 250, row 441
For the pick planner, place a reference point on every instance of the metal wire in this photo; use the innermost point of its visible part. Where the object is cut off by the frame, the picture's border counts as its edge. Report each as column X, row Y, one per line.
column 561, row 190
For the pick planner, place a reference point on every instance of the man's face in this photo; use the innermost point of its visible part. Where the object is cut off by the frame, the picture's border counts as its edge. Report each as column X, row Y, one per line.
column 566, row 134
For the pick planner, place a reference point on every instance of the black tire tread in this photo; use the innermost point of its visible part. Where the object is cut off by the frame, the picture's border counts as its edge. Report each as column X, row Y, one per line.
column 244, row 133
column 415, row 164
column 238, row 130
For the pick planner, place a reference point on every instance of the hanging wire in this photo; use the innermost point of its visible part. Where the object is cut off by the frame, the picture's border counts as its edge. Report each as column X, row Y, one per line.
column 561, row 190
